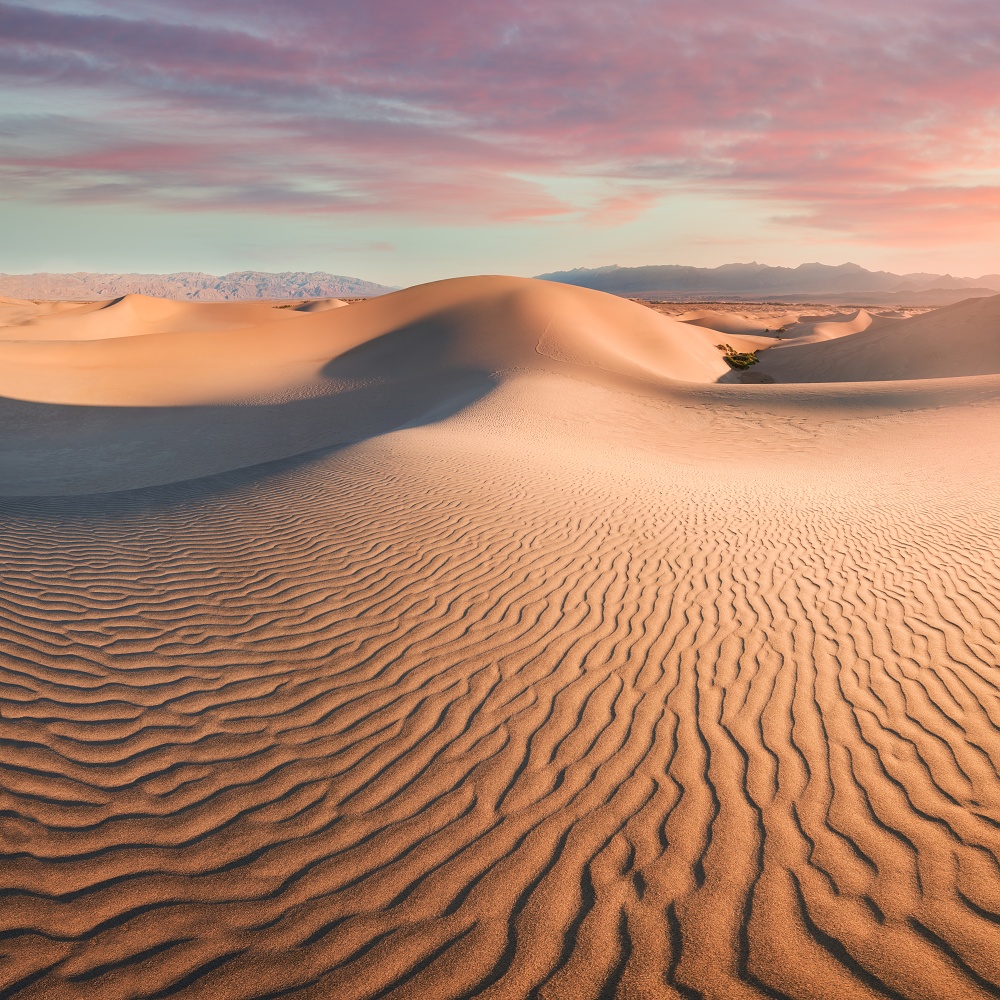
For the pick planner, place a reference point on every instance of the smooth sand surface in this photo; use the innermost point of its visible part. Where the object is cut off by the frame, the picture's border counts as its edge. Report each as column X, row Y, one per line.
column 486, row 640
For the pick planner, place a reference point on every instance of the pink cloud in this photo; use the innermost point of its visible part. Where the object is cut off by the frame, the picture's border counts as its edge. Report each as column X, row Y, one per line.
column 878, row 121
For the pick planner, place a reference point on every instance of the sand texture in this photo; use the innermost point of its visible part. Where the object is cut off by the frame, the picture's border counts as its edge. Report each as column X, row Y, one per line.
column 492, row 639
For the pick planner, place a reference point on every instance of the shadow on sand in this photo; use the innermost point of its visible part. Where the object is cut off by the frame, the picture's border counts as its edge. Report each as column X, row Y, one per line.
column 403, row 378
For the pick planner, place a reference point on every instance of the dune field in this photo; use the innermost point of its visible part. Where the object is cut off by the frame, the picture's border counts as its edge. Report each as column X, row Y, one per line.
column 494, row 638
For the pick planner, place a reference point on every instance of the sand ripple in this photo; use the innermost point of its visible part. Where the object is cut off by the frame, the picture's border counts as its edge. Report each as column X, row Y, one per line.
column 447, row 715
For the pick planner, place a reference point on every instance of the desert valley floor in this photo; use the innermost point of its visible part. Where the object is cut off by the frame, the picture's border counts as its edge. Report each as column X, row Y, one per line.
column 495, row 639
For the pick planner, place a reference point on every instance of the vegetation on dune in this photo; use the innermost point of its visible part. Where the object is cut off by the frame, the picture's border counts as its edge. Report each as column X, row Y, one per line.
column 738, row 359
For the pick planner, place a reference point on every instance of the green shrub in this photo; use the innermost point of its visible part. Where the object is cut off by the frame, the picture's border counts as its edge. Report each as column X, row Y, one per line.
column 737, row 359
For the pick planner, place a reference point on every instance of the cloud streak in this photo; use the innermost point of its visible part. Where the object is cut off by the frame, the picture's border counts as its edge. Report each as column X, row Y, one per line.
column 883, row 126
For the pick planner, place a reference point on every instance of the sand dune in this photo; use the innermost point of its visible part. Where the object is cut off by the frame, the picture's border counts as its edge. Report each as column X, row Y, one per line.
column 302, row 381
column 946, row 343
column 736, row 323
column 833, row 330
column 141, row 315
column 500, row 651
column 813, row 329
column 786, row 329
column 19, row 312
column 154, row 351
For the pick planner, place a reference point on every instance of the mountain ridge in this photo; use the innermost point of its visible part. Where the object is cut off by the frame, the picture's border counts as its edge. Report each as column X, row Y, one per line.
column 808, row 281
column 196, row 285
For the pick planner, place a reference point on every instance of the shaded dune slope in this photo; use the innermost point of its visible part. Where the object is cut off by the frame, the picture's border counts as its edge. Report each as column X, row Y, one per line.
column 600, row 680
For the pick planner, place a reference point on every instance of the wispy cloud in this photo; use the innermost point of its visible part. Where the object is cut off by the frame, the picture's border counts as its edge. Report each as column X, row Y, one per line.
column 880, row 122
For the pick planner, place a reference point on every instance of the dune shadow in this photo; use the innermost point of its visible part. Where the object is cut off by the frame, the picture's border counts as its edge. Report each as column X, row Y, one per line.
column 749, row 376
column 403, row 378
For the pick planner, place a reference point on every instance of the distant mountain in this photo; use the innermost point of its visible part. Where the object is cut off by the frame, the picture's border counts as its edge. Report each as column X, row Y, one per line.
column 189, row 285
column 807, row 282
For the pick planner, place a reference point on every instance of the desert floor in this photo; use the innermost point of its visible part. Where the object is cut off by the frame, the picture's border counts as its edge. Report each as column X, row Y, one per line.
column 494, row 638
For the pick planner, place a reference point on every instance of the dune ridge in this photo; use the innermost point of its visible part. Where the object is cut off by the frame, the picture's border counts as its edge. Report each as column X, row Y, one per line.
column 575, row 672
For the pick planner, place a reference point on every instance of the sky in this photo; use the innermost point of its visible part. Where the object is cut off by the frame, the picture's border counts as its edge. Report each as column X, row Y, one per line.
column 401, row 141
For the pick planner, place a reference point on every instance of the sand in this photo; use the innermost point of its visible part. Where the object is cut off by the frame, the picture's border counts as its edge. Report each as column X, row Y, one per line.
column 487, row 639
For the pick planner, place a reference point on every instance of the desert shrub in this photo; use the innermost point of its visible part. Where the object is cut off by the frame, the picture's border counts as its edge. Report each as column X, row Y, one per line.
column 738, row 359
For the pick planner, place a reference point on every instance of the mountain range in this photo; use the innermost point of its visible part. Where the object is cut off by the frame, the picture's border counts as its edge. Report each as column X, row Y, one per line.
column 844, row 283
column 840, row 284
column 189, row 285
